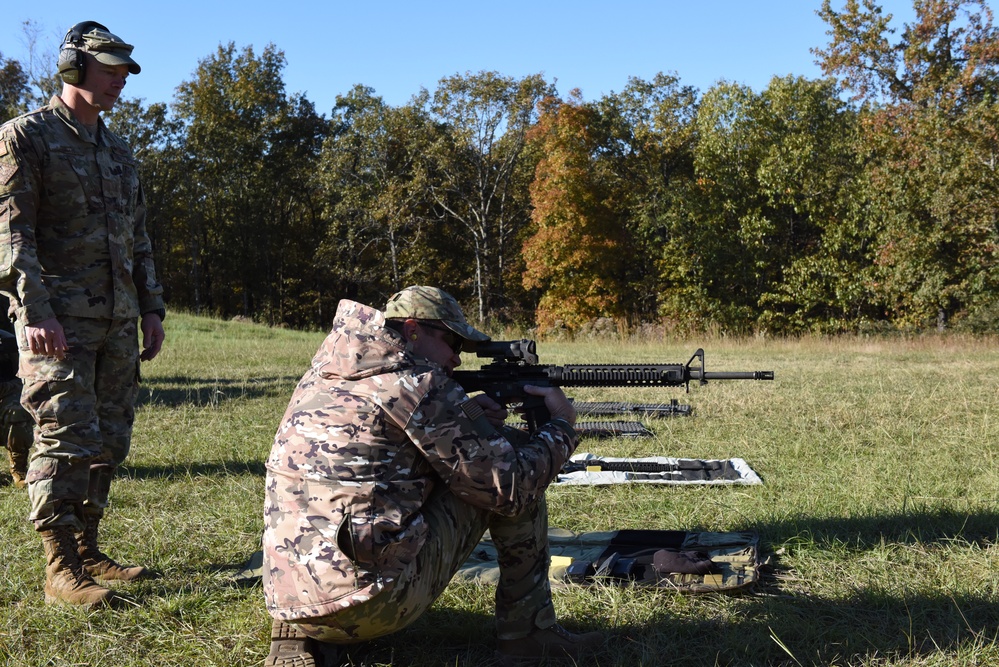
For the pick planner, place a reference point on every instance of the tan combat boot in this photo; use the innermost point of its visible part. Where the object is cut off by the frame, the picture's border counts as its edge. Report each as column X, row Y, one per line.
column 19, row 467
column 289, row 647
column 101, row 566
column 65, row 579
column 555, row 642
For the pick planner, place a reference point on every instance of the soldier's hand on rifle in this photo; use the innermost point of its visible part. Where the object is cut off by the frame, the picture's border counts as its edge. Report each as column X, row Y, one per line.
column 495, row 413
column 559, row 407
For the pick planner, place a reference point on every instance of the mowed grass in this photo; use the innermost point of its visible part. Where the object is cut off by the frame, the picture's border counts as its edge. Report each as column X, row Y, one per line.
column 878, row 510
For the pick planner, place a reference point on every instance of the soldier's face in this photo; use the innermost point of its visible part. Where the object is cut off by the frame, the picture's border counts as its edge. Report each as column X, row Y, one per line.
column 438, row 344
column 103, row 84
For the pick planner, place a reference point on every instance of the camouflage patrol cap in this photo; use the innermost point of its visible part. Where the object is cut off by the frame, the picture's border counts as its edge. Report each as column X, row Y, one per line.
column 431, row 303
column 108, row 49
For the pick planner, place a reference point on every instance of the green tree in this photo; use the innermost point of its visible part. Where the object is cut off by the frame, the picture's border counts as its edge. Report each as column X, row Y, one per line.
column 472, row 169
column 811, row 180
column 14, row 89
column 378, row 209
column 929, row 108
column 250, row 149
column 718, row 247
column 758, row 241
column 647, row 139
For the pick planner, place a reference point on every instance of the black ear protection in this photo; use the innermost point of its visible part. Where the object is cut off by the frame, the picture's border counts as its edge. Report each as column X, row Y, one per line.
column 71, row 58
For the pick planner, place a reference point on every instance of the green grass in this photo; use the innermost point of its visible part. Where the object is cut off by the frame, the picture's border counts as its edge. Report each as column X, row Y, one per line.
column 879, row 507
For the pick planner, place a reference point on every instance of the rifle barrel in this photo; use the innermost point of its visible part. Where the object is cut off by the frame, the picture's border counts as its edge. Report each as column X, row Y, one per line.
column 731, row 375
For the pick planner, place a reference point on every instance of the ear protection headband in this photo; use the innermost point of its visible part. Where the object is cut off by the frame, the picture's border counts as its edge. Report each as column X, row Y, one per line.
column 71, row 58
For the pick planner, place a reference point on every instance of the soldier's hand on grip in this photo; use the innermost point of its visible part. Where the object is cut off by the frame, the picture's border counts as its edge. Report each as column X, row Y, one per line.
column 559, row 407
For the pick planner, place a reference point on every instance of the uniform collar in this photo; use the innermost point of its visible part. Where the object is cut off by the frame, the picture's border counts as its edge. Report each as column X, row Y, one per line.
column 66, row 115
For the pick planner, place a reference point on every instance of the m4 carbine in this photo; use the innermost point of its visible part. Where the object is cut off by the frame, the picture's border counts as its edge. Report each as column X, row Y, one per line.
column 515, row 365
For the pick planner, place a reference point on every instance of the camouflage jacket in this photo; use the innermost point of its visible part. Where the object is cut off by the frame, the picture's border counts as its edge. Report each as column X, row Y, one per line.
column 370, row 432
column 72, row 221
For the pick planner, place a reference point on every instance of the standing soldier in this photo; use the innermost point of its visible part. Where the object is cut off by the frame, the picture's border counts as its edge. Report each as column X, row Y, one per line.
column 15, row 423
column 77, row 264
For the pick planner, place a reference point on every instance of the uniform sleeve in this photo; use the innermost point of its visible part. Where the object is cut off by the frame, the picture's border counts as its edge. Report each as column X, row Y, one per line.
column 479, row 464
column 20, row 182
column 148, row 289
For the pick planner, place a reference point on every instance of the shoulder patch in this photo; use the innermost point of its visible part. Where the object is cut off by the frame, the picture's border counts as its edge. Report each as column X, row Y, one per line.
column 6, row 172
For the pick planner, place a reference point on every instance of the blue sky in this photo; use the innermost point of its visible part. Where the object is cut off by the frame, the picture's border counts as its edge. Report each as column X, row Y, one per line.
column 398, row 47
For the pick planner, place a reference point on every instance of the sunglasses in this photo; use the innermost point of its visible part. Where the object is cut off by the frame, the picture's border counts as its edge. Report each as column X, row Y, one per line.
column 450, row 339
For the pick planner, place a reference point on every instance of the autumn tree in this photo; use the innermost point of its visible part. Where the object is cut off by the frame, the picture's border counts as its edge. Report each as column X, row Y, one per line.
column 576, row 254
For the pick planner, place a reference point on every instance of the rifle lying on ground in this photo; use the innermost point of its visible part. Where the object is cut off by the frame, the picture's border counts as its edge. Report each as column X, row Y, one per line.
column 515, row 364
column 686, row 469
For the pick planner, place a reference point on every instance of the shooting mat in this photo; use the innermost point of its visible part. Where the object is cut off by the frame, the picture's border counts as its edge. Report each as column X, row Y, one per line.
column 679, row 471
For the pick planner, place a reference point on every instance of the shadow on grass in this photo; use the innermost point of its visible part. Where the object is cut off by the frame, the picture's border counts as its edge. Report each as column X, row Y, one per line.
column 441, row 636
column 868, row 627
column 874, row 624
column 879, row 620
column 174, row 391
column 918, row 526
column 216, row 469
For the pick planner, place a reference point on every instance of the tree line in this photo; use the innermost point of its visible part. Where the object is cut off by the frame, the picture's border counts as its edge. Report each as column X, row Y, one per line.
column 865, row 200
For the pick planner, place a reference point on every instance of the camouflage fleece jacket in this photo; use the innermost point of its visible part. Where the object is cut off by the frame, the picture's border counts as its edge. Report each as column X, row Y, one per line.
column 370, row 431
column 72, row 220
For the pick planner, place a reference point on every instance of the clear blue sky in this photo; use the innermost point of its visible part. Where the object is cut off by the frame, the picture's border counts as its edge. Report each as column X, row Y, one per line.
column 397, row 47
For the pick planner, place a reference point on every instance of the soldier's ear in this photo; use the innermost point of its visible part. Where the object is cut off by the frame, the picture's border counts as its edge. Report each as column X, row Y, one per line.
column 411, row 329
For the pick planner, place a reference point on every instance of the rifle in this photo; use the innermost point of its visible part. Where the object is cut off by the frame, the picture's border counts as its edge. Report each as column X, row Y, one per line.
column 515, row 364
column 685, row 469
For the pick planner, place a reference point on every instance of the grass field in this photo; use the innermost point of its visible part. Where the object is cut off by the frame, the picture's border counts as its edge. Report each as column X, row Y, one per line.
column 880, row 507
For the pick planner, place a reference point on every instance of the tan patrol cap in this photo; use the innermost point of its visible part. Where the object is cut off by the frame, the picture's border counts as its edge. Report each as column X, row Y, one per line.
column 108, row 49
column 431, row 303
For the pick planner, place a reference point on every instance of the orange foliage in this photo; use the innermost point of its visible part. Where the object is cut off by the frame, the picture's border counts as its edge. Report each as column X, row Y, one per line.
column 576, row 254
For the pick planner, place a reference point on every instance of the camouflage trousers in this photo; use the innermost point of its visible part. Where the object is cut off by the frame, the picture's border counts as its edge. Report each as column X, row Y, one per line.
column 523, row 595
column 15, row 424
column 83, row 408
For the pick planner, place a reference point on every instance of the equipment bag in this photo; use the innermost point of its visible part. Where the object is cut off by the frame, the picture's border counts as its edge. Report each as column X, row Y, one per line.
column 685, row 561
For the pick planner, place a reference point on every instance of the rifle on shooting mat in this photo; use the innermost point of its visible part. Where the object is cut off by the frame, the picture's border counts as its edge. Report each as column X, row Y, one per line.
column 515, row 364
column 682, row 469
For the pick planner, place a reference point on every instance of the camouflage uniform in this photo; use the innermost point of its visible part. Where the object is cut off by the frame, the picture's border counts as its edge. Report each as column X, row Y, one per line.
column 73, row 245
column 383, row 477
column 15, row 423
